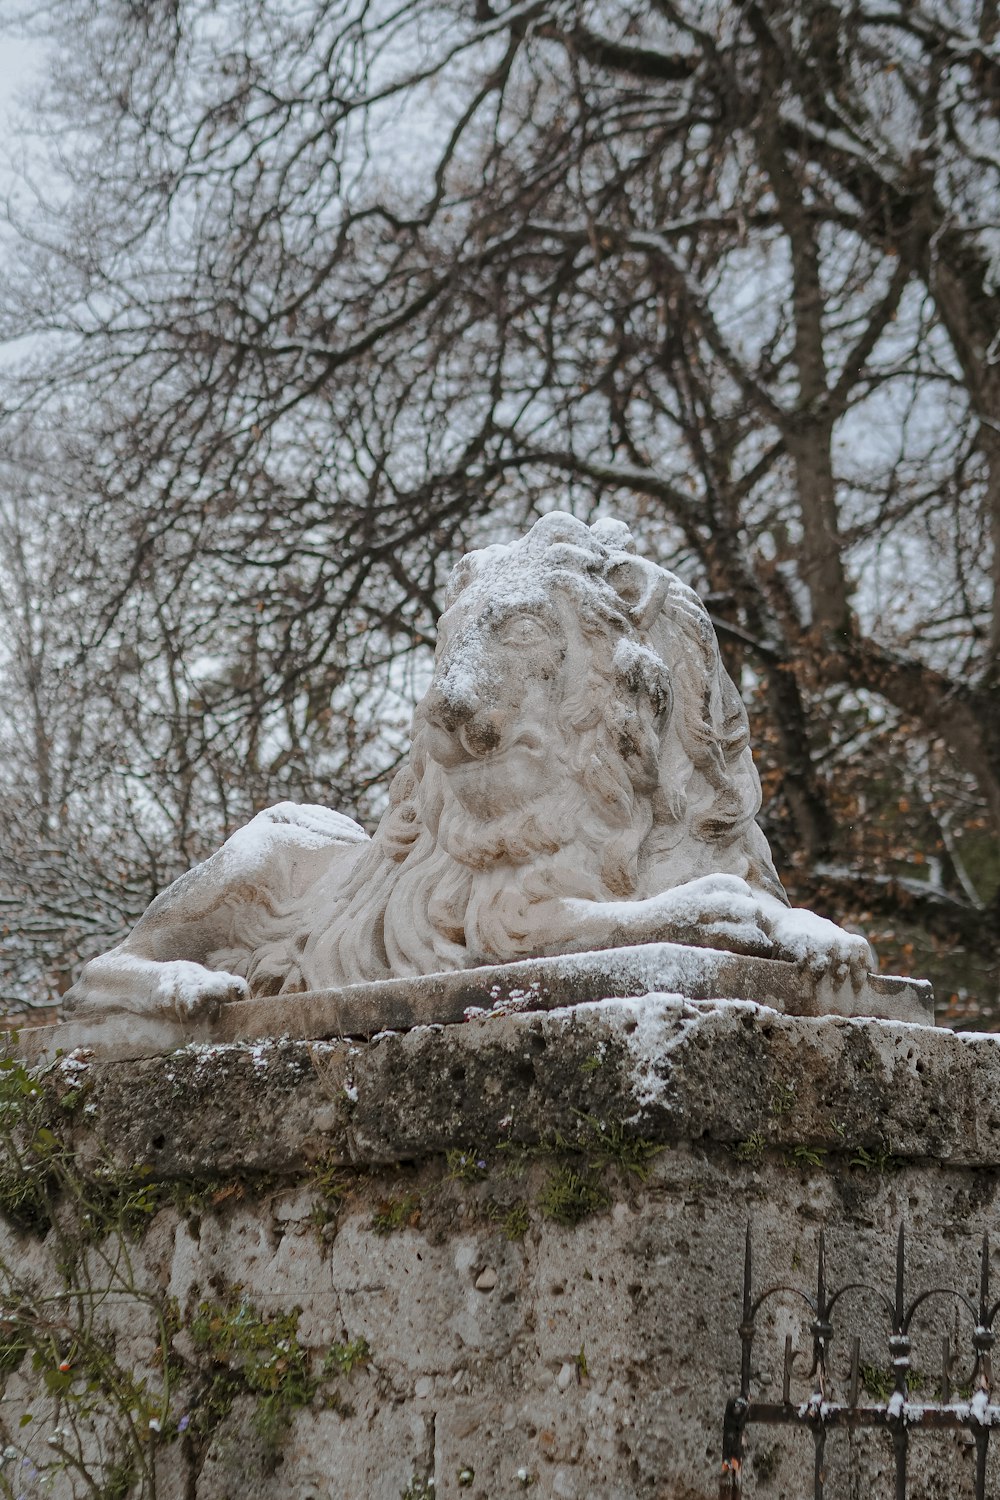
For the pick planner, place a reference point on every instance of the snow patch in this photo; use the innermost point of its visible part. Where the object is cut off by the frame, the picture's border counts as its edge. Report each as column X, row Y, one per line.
column 75, row 1062
column 306, row 824
column 980, row 1406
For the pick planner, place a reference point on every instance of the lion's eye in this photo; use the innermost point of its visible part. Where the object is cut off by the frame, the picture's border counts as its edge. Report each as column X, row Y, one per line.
column 523, row 631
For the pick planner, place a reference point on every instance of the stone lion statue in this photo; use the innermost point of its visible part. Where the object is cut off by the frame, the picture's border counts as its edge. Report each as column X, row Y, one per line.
column 580, row 777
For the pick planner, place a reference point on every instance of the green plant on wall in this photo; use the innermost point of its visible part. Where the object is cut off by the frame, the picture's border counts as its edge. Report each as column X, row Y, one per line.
column 509, row 1215
column 341, row 1359
column 92, row 1420
column 751, row 1148
column 611, row 1143
column 257, row 1355
column 569, row 1196
column 400, row 1211
column 466, row 1166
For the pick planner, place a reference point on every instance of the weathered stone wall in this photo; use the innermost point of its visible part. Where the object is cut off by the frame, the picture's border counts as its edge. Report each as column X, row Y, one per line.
column 504, row 1257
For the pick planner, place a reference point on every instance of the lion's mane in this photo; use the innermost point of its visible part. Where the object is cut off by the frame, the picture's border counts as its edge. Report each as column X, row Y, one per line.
column 664, row 777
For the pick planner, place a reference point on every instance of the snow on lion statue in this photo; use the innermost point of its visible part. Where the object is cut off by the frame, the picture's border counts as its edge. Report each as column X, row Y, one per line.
column 580, row 777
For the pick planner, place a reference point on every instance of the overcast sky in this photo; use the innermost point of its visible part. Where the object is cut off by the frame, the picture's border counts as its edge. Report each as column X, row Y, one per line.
column 20, row 63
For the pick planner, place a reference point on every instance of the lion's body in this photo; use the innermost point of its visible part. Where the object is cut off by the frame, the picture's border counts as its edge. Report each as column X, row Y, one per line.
column 580, row 775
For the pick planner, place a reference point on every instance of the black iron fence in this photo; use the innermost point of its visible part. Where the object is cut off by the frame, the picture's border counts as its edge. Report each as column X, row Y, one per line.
column 903, row 1415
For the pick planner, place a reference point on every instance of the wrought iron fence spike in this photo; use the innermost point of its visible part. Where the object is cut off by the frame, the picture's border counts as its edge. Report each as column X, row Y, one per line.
column 982, row 1448
column 819, row 1466
column 945, row 1369
column 747, row 1322
column 855, row 1369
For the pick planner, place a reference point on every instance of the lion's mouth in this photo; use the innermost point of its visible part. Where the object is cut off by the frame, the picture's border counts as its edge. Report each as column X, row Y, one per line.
column 528, row 740
column 513, row 776
column 464, row 750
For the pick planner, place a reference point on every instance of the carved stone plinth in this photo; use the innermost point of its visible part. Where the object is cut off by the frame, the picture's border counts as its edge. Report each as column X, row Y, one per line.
column 363, row 1010
column 512, row 1248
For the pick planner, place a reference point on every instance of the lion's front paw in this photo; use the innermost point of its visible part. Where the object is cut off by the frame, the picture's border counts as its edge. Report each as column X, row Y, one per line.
column 821, row 946
column 194, row 993
column 717, row 911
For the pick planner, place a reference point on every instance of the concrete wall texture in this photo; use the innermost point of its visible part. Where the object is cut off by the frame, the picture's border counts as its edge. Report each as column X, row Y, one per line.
column 485, row 1260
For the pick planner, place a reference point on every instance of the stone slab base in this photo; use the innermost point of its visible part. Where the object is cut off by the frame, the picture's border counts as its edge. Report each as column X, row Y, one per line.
column 536, row 984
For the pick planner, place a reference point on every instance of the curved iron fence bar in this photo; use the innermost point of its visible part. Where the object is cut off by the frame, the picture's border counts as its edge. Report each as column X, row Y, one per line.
column 855, row 1286
column 938, row 1291
column 780, row 1287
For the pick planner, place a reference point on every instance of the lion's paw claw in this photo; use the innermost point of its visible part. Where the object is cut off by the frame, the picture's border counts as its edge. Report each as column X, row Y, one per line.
column 195, row 993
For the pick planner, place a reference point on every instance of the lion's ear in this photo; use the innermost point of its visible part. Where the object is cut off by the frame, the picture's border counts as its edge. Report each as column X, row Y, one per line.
column 461, row 576
column 641, row 586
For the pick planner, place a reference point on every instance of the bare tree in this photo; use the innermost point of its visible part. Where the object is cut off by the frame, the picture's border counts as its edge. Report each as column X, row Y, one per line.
column 337, row 290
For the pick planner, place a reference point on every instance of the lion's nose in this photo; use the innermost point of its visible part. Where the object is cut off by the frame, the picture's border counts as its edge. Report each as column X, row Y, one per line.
column 448, row 711
column 482, row 733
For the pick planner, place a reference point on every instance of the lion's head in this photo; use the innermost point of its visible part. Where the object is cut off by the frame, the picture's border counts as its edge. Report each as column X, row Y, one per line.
column 580, row 738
